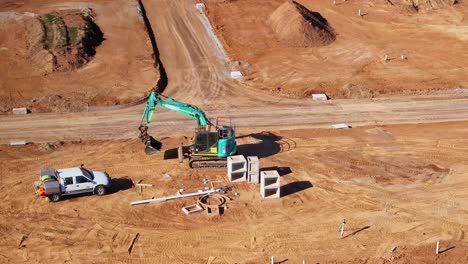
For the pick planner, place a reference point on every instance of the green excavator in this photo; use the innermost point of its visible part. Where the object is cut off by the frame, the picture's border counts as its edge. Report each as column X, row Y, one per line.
column 210, row 149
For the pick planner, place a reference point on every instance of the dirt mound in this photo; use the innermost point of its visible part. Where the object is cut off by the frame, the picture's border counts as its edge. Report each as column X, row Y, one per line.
column 297, row 26
column 423, row 5
column 71, row 36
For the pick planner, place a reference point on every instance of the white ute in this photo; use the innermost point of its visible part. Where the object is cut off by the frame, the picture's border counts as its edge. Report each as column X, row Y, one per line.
column 57, row 183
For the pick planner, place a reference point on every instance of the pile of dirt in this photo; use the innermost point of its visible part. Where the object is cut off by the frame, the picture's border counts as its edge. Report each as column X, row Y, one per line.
column 423, row 5
column 71, row 37
column 297, row 26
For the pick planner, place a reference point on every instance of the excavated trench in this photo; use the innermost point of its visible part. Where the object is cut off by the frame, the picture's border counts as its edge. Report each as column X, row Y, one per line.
column 163, row 80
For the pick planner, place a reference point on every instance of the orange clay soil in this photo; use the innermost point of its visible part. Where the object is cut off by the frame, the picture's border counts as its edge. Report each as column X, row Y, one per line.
column 402, row 186
column 68, row 55
column 425, row 44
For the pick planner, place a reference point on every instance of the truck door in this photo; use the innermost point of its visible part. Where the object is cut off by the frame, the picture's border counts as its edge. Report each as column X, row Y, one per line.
column 83, row 184
column 68, row 185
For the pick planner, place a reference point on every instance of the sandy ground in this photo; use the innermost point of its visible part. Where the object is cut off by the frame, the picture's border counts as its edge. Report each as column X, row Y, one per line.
column 122, row 71
column 433, row 42
column 397, row 186
column 400, row 185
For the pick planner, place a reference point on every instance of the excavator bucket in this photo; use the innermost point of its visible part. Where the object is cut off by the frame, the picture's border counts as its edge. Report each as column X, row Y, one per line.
column 152, row 146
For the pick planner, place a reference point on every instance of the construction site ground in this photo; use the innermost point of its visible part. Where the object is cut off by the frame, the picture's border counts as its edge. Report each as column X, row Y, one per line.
column 400, row 186
column 122, row 71
column 432, row 40
column 398, row 176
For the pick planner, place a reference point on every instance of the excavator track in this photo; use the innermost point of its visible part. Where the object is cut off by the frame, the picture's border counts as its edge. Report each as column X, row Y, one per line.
column 207, row 162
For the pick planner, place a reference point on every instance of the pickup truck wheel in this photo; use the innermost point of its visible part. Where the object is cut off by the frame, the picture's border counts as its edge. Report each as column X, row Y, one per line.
column 54, row 197
column 100, row 190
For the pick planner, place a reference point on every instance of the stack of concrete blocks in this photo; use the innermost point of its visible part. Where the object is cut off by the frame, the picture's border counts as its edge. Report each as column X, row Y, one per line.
column 237, row 168
column 253, row 172
column 270, row 184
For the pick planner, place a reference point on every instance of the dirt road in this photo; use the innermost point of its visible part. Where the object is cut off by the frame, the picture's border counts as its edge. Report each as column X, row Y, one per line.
column 122, row 124
column 197, row 76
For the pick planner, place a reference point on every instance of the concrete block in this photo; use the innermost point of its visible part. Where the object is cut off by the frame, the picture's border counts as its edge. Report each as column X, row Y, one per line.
column 236, row 75
column 192, row 209
column 270, row 179
column 253, row 171
column 341, row 126
column 20, row 111
column 237, row 168
column 200, row 6
column 319, row 97
column 270, row 186
column 271, row 193
column 18, row 143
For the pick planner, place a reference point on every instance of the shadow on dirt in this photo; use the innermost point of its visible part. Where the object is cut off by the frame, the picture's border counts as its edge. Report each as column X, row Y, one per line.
column 282, row 171
column 163, row 79
column 357, row 231
column 120, row 184
column 295, row 187
column 269, row 144
column 173, row 152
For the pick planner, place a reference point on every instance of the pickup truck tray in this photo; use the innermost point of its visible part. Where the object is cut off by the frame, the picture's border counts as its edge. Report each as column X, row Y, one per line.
column 51, row 187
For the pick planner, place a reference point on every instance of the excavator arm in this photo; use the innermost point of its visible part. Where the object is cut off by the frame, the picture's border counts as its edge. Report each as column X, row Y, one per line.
column 157, row 100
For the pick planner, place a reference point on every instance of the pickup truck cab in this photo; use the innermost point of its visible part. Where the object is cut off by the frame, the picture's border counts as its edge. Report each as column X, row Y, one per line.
column 57, row 183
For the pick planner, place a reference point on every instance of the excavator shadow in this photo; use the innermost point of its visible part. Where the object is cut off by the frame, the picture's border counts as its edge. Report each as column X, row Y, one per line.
column 266, row 144
column 173, row 153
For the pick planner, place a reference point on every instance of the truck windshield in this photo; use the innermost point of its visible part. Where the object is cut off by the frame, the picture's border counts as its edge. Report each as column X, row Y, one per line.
column 87, row 173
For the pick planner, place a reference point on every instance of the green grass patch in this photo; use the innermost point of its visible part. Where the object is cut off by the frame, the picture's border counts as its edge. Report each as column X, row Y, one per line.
column 50, row 19
column 73, row 35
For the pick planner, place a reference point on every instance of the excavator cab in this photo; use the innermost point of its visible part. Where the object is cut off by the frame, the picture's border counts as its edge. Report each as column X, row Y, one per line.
column 220, row 143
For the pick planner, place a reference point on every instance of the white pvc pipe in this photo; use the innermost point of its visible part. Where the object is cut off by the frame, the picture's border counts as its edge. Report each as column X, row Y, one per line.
column 437, row 248
column 167, row 198
column 342, row 230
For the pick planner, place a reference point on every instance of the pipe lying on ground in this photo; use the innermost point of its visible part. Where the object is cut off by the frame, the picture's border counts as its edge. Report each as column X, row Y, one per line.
column 167, row 198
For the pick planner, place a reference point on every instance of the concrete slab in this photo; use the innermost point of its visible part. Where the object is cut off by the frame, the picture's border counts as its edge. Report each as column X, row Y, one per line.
column 20, row 111
column 192, row 209
column 319, row 97
column 341, row 126
column 236, row 75
column 18, row 143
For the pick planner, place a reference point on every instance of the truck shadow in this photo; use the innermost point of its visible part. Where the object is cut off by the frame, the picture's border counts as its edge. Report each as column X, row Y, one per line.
column 120, row 184
column 268, row 144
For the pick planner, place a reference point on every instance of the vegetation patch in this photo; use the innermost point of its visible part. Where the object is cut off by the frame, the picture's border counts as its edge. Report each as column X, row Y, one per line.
column 71, row 36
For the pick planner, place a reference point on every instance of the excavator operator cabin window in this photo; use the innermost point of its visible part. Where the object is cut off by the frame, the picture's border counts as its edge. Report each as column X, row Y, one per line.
column 212, row 139
column 201, row 143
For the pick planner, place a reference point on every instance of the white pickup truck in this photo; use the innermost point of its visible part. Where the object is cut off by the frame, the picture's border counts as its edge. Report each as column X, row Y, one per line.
column 57, row 183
